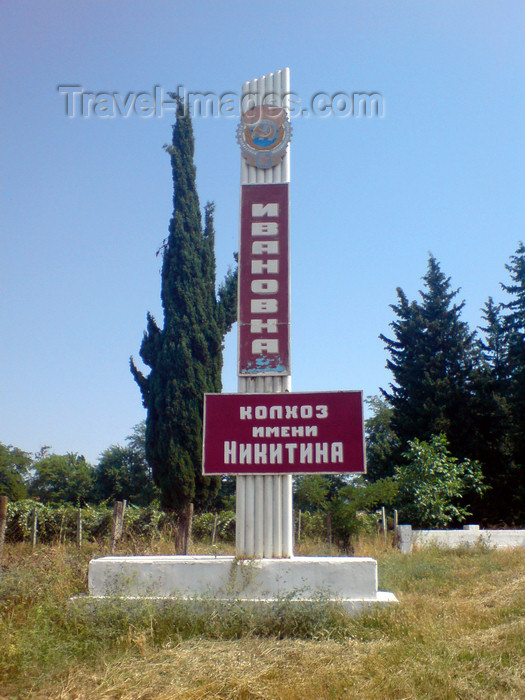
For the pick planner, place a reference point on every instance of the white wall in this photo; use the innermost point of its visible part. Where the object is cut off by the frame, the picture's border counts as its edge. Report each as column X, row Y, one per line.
column 469, row 536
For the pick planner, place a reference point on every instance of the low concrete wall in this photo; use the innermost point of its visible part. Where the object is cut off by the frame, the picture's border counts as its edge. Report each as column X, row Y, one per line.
column 469, row 536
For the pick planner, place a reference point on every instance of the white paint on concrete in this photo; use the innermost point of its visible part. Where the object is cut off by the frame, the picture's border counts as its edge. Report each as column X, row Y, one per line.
column 349, row 580
column 224, row 606
column 264, row 522
column 469, row 536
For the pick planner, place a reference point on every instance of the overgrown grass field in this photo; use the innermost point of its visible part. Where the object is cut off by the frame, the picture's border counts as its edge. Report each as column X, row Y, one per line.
column 458, row 632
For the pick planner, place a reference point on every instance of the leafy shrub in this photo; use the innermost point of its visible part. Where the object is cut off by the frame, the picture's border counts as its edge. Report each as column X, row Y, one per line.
column 432, row 483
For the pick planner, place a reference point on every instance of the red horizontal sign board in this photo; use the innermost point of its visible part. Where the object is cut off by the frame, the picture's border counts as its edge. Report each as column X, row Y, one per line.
column 290, row 433
column 264, row 281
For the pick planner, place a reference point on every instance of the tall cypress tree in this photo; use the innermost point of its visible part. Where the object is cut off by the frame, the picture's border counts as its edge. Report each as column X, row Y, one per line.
column 185, row 356
column 432, row 360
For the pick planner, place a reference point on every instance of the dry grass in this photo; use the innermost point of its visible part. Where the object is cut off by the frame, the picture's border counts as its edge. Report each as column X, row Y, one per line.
column 458, row 632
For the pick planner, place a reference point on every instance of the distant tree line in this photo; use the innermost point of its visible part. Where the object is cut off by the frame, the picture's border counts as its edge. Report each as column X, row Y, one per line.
column 122, row 472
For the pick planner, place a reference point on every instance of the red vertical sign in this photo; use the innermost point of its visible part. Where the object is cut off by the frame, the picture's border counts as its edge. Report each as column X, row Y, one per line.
column 264, row 281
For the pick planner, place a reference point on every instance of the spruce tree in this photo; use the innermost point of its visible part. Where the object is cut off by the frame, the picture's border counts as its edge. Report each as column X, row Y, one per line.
column 432, row 361
column 185, row 356
column 493, row 344
column 491, row 437
column 381, row 440
column 515, row 329
column 515, row 334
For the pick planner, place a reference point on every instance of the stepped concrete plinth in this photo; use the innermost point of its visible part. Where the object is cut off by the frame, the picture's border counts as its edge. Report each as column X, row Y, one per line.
column 350, row 581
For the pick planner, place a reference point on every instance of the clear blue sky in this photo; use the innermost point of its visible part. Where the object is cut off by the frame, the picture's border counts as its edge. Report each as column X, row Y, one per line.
column 86, row 202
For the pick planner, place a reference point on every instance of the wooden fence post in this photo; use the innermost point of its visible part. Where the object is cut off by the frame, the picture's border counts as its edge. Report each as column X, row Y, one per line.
column 61, row 526
column 34, row 528
column 187, row 543
column 214, row 529
column 116, row 525
column 383, row 520
column 79, row 528
column 121, row 522
column 3, row 524
column 396, row 524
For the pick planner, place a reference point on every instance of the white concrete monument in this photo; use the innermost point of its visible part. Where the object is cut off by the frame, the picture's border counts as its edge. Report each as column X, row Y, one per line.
column 265, row 433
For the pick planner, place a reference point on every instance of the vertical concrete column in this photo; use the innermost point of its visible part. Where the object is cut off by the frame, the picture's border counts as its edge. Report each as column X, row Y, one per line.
column 268, row 517
column 264, row 503
column 240, row 514
column 277, row 516
column 287, row 516
column 249, row 517
column 259, row 517
column 404, row 538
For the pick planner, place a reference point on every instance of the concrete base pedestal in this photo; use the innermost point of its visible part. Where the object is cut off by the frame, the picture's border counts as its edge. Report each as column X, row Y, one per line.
column 350, row 581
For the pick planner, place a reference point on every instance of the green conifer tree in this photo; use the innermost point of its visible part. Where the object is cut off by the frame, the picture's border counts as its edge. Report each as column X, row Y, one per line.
column 515, row 332
column 185, row 356
column 381, row 439
column 492, row 439
column 432, row 361
column 515, row 328
column 493, row 344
